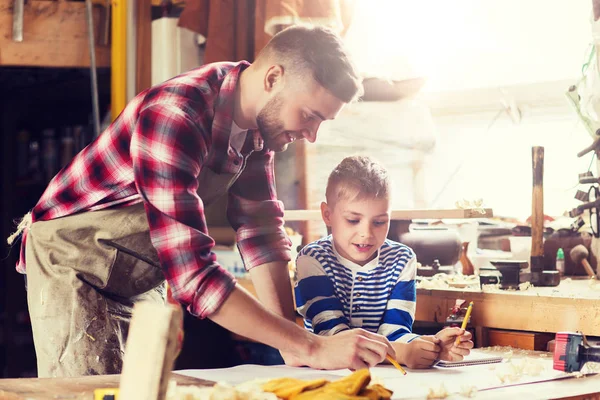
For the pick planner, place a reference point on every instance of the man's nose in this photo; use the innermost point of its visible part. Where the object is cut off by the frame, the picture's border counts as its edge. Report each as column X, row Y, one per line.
column 310, row 133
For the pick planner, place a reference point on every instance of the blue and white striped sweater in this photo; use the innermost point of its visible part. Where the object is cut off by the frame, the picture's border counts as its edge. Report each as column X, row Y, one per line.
column 334, row 294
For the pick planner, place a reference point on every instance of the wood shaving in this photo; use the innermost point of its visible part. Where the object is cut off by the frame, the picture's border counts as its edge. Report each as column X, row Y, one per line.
column 438, row 392
column 525, row 286
column 445, row 281
column 491, row 288
column 468, row 391
column 220, row 391
column 514, row 370
column 476, row 205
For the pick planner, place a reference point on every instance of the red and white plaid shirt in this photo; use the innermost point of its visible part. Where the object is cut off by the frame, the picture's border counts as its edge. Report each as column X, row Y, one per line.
column 153, row 152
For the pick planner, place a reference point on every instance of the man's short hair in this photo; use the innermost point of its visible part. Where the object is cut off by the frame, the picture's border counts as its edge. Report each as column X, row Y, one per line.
column 356, row 178
column 320, row 51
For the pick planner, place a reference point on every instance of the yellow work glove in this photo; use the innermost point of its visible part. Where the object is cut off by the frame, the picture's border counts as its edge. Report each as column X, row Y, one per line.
column 286, row 388
column 351, row 387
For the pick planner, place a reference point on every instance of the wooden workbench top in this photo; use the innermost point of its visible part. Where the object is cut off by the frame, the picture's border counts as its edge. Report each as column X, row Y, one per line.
column 81, row 388
column 569, row 288
column 571, row 306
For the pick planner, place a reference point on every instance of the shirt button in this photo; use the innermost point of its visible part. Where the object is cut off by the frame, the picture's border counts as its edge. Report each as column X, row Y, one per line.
column 360, row 278
column 236, row 162
column 356, row 308
column 357, row 294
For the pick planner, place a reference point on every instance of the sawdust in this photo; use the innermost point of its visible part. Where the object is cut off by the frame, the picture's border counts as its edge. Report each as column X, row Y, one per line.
column 445, row 281
column 220, row 391
column 508, row 352
column 491, row 288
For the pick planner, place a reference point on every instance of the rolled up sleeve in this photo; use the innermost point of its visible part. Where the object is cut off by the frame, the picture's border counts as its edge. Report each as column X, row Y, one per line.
column 256, row 214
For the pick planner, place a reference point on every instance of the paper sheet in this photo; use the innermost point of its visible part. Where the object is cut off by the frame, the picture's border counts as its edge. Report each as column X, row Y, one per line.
column 415, row 385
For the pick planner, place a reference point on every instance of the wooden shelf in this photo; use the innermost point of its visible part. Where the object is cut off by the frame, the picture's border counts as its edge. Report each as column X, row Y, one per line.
column 457, row 213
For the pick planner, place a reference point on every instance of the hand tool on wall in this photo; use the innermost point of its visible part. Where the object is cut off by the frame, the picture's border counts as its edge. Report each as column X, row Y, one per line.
column 579, row 254
column 17, row 32
column 539, row 277
column 572, row 351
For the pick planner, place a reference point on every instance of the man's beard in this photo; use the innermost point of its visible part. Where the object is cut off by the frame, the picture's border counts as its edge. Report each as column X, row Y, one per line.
column 270, row 125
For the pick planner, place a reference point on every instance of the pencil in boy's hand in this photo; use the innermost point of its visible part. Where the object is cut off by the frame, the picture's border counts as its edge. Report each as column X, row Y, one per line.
column 465, row 321
column 395, row 364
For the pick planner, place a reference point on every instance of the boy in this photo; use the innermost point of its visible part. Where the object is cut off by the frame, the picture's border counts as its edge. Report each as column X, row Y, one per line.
column 356, row 278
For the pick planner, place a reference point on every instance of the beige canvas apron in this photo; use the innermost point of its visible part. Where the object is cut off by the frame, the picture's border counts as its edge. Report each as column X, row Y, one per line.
column 85, row 272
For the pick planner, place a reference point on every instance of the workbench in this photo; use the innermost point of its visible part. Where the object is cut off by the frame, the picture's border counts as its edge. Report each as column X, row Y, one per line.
column 572, row 306
column 414, row 385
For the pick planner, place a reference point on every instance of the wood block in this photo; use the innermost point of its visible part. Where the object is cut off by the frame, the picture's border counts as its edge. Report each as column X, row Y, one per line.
column 150, row 351
column 519, row 340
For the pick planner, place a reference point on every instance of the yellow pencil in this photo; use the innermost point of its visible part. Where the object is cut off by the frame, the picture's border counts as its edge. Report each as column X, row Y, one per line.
column 395, row 364
column 465, row 321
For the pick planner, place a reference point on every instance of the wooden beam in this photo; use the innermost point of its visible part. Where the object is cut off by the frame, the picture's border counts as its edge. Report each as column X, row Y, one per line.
column 143, row 57
column 315, row 215
column 118, row 84
column 54, row 35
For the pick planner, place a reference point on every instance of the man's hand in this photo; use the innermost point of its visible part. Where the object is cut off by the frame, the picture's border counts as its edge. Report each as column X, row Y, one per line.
column 353, row 349
column 422, row 352
column 449, row 350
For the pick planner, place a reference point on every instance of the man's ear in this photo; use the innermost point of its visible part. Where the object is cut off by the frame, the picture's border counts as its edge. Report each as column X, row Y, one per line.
column 273, row 78
column 326, row 213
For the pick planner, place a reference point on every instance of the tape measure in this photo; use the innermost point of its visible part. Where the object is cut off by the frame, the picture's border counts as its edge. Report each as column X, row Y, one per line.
column 106, row 394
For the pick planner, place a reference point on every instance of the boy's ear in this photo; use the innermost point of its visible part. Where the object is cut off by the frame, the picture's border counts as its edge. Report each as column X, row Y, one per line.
column 326, row 213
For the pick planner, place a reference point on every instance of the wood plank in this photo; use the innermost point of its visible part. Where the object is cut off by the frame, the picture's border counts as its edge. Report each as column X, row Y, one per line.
column 72, row 388
column 54, row 35
column 315, row 215
column 150, row 351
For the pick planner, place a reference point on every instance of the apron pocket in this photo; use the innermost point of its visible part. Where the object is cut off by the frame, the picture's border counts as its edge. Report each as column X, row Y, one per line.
column 136, row 268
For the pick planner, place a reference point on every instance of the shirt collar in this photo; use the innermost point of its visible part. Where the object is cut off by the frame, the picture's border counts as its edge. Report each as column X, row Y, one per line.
column 351, row 265
column 223, row 117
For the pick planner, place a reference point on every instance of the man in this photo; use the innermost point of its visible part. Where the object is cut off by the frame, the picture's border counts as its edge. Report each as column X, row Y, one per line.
column 129, row 211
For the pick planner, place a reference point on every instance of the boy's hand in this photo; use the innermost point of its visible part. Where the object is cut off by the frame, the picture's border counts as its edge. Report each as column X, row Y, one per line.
column 422, row 352
column 353, row 349
column 451, row 352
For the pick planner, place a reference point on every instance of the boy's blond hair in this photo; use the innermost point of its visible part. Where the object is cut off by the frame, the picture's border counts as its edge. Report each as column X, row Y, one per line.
column 357, row 177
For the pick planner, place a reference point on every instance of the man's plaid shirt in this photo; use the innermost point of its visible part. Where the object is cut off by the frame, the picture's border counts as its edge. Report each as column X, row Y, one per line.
column 154, row 152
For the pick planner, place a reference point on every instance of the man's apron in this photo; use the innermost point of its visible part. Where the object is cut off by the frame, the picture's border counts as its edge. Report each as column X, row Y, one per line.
column 84, row 274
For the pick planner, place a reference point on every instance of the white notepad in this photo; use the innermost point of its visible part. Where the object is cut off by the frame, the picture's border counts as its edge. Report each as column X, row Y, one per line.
column 477, row 359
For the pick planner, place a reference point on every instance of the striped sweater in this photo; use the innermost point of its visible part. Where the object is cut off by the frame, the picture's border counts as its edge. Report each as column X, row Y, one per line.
column 334, row 294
